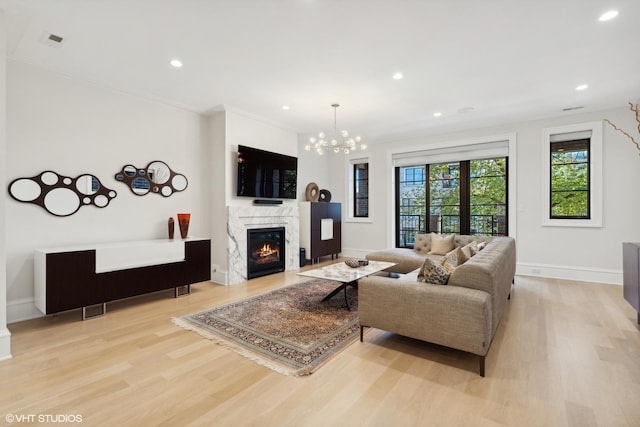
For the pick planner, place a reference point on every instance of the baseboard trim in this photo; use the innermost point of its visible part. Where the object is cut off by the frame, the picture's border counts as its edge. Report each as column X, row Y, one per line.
column 22, row 309
column 582, row 274
column 220, row 277
column 5, row 344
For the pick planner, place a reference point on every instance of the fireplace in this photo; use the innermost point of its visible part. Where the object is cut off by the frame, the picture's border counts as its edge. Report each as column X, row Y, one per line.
column 265, row 251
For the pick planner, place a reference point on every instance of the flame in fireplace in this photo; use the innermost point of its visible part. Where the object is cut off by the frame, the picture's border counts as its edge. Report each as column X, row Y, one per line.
column 266, row 251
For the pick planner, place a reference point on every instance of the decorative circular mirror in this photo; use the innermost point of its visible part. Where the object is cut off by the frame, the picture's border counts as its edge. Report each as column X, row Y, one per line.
column 61, row 195
column 25, row 190
column 179, row 182
column 87, row 184
column 157, row 177
column 130, row 170
column 158, row 172
column 140, row 186
column 49, row 178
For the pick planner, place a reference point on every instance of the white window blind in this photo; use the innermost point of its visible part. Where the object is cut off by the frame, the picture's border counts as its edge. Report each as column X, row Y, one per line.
column 484, row 150
column 570, row 136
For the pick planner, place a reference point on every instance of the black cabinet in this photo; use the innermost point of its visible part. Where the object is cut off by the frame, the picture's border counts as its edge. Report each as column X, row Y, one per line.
column 321, row 229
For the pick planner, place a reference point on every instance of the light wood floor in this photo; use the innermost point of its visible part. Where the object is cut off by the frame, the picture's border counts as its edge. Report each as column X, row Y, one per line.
column 565, row 354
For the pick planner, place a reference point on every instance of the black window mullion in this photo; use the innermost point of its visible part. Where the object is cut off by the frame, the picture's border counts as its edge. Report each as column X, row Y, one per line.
column 465, row 197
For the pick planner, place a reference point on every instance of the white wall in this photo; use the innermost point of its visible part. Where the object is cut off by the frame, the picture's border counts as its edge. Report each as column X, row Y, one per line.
column 229, row 128
column 578, row 253
column 5, row 336
column 74, row 127
column 313, row 168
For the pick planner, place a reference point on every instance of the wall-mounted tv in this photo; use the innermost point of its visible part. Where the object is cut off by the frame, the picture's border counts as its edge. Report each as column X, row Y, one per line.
column 266, row 174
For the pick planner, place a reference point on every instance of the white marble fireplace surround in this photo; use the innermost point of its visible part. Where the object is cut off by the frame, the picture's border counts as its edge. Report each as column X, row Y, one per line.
column 241, row 218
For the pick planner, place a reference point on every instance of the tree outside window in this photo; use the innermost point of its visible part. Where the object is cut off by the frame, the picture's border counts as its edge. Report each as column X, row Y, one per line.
column 569, row 191
column 466, row 197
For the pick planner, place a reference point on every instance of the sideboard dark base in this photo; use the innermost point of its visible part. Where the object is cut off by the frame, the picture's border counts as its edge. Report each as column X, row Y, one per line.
column 72, row 281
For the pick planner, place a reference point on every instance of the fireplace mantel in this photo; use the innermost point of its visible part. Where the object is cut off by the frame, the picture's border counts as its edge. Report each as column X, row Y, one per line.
column 241, row 218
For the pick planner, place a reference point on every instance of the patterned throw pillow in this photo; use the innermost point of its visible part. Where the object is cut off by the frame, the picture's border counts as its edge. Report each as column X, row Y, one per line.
column 432, row 272
column 450, row 261
column 441, row 245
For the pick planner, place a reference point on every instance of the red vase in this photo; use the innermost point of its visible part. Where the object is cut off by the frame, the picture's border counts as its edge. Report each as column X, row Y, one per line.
column 183, row 222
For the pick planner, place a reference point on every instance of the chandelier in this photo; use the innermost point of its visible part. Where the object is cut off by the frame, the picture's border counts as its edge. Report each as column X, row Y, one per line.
column 336, row 142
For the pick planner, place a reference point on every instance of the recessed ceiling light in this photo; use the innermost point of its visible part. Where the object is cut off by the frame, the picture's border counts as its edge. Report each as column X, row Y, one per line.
column 397, row 76
column 437, row 114
column 286, row 107
column 176, row 63
column 582, row 87
column 608, row 15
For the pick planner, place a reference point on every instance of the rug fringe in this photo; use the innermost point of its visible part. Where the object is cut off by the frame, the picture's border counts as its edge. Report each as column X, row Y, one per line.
column 241, row 351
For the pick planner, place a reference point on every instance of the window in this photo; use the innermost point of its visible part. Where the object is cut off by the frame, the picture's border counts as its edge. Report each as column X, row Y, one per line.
column 572, row 177
column 357, row 190
column 361, row 190
column 464, row 197
column 569, row 189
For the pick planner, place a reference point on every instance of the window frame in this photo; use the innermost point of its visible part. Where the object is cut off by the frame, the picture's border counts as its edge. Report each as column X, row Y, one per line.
column 350, row 190
column 595, row 173
column 356, row 181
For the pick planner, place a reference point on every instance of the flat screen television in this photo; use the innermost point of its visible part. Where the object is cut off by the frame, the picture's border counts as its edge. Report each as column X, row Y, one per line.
column 266, row 174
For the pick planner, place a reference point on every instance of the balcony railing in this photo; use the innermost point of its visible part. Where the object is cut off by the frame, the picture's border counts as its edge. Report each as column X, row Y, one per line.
column 412, row 224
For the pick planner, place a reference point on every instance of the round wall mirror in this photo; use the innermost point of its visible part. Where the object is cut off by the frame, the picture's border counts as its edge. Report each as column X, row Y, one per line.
column 61, row 195
column 157, row 177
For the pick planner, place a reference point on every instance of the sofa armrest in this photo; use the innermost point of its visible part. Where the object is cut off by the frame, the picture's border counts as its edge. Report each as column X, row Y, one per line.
column 452, row 316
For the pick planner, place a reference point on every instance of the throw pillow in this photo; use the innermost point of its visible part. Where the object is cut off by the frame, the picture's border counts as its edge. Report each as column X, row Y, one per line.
column 432, row 272
column 463, row 256
column 441, row 245
column 472, row 248
column 450, row 261
column 481, row 245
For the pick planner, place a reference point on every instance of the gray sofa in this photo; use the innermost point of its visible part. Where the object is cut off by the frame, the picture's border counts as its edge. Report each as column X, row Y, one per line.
column 464, row 314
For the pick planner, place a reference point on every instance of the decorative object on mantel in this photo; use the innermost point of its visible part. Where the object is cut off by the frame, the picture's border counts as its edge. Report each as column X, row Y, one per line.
column 312, row 192
column 289, row 330
column 636, row 110
column 61, row 195
column 183, row 223
column 171, row 225
column 336, row 143
column 157, row 178
column 325, row 196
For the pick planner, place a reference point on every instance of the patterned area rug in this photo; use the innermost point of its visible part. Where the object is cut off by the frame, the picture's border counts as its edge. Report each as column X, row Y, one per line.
column 289, row 330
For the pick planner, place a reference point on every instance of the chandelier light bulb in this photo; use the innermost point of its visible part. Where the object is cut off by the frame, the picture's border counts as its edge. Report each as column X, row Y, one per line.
column 346, row 151
column 345, row 134
column 334, row 142
column 363, row 147
column 358, row 138
column 321, row 135
column 336, row 150
column 312, row 140
column 307, row 147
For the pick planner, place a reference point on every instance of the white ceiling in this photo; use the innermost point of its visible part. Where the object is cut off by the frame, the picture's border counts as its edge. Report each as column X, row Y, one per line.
column 510, row 60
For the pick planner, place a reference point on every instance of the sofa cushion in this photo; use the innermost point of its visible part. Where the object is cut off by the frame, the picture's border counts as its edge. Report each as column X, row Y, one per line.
column 422, row 243
column 441, row 245
column 450, row 261
column 432, row 272
column 462, row 255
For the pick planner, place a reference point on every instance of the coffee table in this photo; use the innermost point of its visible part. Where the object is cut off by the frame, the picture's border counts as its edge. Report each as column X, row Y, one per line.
column 347, row 276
